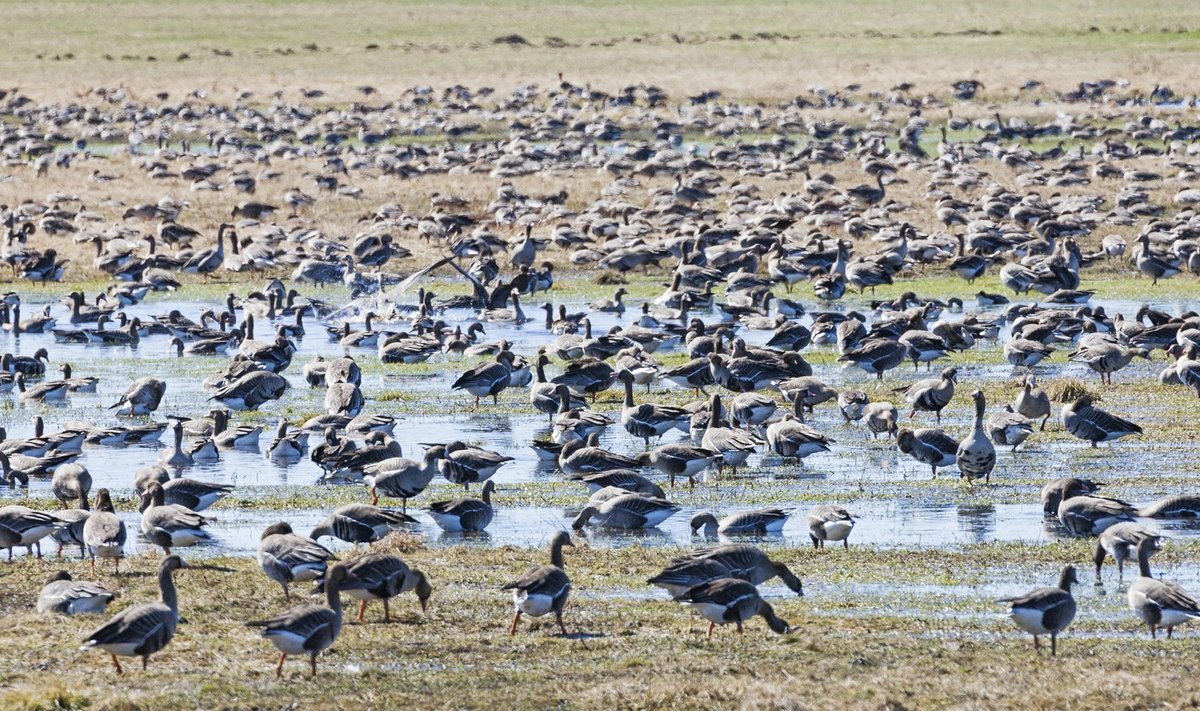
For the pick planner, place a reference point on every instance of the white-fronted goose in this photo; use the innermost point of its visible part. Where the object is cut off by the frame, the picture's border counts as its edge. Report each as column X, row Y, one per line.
column 1033, row 402
column 932, row 394
column 289, row 558
column 882, row 418
column 976, row 456
column 71, row 482
column 141, row 398
column 22, row 526
column 680, row 459
column 1091, row 515
column 1178, row 506
column 1091, row 424
column 543, row 589
column 466, row 465
column 287, row 447
column 251, row 390
column 829, row 523
column 1121, row 541
column 1159, row 603
column 104, row 533
column 1025, row 353
column 487, row 379
column 729, row 600
column 1055, row 492
column 170, row 525
column 1046, row 610
column 193, row 494
column 733, row 560
column 464, row 514
column 308, row 629
column 627, row 511
column 226, row 437
column 377, row 576
column 1009, row 429
column 64, row 596
column 928, row 445
column 55, row 391
column 361, row 523
column 626, row 479
column 1107, row 358
column 400, row 478
column 649, row 419
column 876, row 355
column 175, row 457
column 790, row 438
column 751, row 409
column 587, row 457
column 734, row 446
column 759, row 522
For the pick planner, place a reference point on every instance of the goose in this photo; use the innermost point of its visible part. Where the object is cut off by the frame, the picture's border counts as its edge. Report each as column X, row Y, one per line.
column 103, row 533
column 976, row 456
column 308, row 629
column 360, row 523
column 64, row 596
column 680, row 460
column 141, row 398
column 142, row 630
column 829, row 523
column 344, row 399
column 733, row 560
column 1033, row 402
column 790, row 438
column 759, row 522
column 226, row 437
column 287, row 447
column 649, row 419
column 543, row 589
column 251, row 390
column 1121, row 541
column 85, row 384
column 626, row 479
column 1089, row 423
column 1107, row 358
column 1091, row 515
column 613, row 305
column 626, row 511
column 463, row 464
column 876, row 355
column 1152, row 265
column 365, row 424
column 207, row 261
column 465, row 514
column 1025, row 353
column 852, row 404
column 170, row 525
column 1159, row 603
column 930, row 446
column 54, row 391
column 587, row 375
column 932, row 394
column 1059, row 490
column 22, row 526
column 378, row 576
column 587, row 457
column 71, row 482
column 193, row 494
column 175, row 457
column 735, row 447
column 543, row 394
column 366, row 338
column 487, row 379
column 1178, row 506
column 72, row 531
column 751, row 409
column 1008, row 429
column 288, row 558
column 881, row 418
column 1046, row 610
column 400, row 478
column 729, row 600
column 571, row 423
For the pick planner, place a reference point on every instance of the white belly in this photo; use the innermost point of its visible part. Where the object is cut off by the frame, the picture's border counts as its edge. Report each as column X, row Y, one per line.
column 287, row 642
column 1029, row 620
column 107, row 550
column 1171, row 618
column 533, row 605
column 452, row 524
column 838, row 530
column 711, row 612
column 121, row 649
column 656, row 517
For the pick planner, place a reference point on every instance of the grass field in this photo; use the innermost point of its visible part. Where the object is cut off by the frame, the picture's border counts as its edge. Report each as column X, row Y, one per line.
column 756, row 49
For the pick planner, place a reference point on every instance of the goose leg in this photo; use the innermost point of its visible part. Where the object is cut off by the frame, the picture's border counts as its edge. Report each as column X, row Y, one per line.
column 1037, row 646
column 1054, row 644
column 279, row 666
column 387, row 613
column 516, row 618
column 312, row 662
column 561, row 626
column 116, row 663
column 711, row 625
column 362, row 607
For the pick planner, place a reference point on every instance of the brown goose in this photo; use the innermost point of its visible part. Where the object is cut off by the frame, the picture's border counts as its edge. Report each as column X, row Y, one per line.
column 829, row 523
column 465, row 514
column 1009, row 429
column 141, row 398
column 289, row 558
column 1033, row 402
column 729, row 600
column 1046, row 610
column 377, row 576
column 1121, row 541
column 543, row 589
column 360, row 523
column 1159, row 603
column 308, row 629
column 976, row 455
column 1059, row 490
column 65, row 596
column 932, row 394
column 104, row 533
column 759, row 522
column 734, row 560
column 1089, row 423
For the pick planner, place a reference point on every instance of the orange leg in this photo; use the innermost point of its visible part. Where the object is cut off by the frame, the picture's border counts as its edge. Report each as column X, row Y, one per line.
column 516, row 618
column 312, row 661
column 117, row 664
column 561, row 626
column 387, row 613
column 145, row 661
column 711, row 625
column 362, row 607
column 279, row 667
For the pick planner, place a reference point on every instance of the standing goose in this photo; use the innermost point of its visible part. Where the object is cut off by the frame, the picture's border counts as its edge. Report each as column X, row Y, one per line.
column 360, row 523
column 648, row 419
column 22, row 526
column 929, row 446
column 544, row 395
column 976, row 455
column 104, row 533
column 308, row 629
column 1046, row 610
column 142, row 630
column 1008, row 429
column 487, row 379
column 760, row 522
column 729, row 600
column 680, row 459
column 734, row 560
column 400, row 478
column 377, row 576
column 1089, row 423
column 734, row 446
column 175, row 457
column 543, row 589
column 932, row 394
column 170, row 525
column 876, row 355
column 1107, row 358
column 141, row 398
column 1121, row 541
column 829, row 523
column 790, row 438
column 881, row 418
column 288, row 558
column 1159, row 603
column 65, row 596
column 1033, row 402
column 465, row 514
column 251, row 390
column 71, row 482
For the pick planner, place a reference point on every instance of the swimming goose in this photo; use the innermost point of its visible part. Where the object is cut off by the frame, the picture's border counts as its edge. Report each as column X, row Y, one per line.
column 175, row 457
column 465, row 514
column 360, row 523
column 84, row 384
column 71, row 482
column 364, row 423
column 287, row 447
column 613, row 305
column 759, row 522
column 734, row 560
column 377, row 576
column 1091, row 515
column 141, row 398
column 790, row 438
column 1046, row 610
column 1178, row 506
column 627, row 511
column 1033, row 402
column 829, row 523
column 22, row 526
column 1121, row 541
column 170, row 525
column 30, row 366
column 367, row 338
column 464, row 464
column 1059, row 490
column 1008, row 429
column 976, row 456
column 104, row 533
column 289, row 558
column 142, row 630
column 734, row 446
column 932, row 394
column 487, row 379
column 308, row 629
column 930, row 446
column 1159, row 603
column 226, row 437
column 649, row 419
column 727, row 600
column 251, row 390
column 543, row 589
column 54, row 391
column 65, row 596
column 1090, row 423
column 400, row 478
